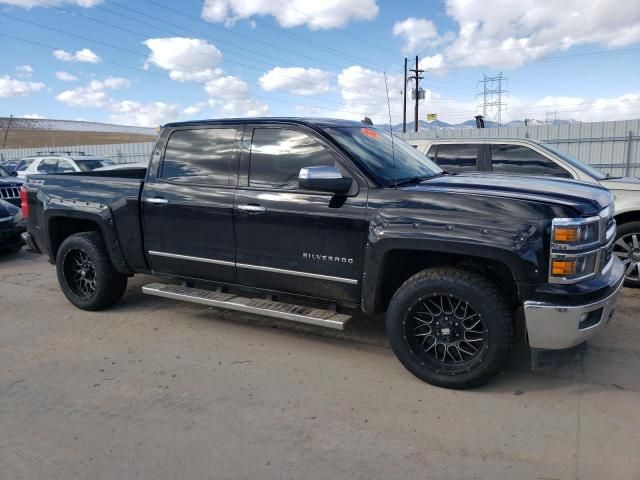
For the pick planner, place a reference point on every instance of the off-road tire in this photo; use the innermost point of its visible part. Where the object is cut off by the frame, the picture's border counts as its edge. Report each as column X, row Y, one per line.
column 485, row 299
column 110, row 285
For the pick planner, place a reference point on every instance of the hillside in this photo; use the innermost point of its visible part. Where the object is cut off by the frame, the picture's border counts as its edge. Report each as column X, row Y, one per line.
column 26, row 132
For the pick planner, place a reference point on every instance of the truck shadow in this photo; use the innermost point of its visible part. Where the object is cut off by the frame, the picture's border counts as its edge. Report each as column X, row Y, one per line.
column 592, row 368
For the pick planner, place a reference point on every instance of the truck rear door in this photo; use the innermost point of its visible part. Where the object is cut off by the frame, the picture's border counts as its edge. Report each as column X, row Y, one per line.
column 292, row 240
column 188, row 204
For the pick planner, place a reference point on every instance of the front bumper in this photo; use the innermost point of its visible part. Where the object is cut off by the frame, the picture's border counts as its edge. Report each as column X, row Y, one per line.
column 555, row 327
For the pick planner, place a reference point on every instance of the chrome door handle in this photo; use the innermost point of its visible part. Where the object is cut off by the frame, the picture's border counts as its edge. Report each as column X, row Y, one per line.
column 156, row 200
column 252, row 208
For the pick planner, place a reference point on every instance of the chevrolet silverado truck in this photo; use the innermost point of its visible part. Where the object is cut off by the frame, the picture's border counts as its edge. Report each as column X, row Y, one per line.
column 310, row 220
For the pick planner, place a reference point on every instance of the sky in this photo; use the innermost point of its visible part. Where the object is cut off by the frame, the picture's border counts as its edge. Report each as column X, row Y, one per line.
column 148, row 62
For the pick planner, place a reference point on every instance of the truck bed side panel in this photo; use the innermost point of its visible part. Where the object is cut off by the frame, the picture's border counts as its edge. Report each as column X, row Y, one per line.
column 112, row 203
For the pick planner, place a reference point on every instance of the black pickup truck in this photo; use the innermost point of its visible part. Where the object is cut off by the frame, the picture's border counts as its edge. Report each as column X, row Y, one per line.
column 310, row 220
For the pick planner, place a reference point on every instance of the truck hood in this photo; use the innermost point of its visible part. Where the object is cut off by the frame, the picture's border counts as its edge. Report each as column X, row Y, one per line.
column 585, row 198
column 622, row 183
column 10, row 182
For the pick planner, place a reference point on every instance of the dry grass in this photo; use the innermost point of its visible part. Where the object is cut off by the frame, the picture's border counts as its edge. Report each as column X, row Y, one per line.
column 20, row 138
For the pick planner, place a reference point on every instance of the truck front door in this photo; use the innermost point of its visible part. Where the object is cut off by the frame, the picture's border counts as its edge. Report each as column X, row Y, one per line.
column 188, row 205
column 292, row 240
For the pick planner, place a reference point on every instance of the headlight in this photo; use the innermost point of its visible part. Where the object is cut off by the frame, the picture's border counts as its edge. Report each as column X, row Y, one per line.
column 575, row 252
column 575, row 235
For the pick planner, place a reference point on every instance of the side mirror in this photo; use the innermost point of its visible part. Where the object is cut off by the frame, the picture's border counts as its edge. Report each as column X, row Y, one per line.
column 14, row 174
column 323, row 179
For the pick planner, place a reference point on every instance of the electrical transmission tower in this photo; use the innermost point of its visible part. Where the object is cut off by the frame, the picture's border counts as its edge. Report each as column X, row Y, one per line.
column 493, row 97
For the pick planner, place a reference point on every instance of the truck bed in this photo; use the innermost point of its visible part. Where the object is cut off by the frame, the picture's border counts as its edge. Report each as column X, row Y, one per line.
column 111, row 198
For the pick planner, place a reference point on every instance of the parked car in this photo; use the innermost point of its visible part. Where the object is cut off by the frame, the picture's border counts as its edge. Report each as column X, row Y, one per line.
column 325, row 217
column 10, row 165
column 528, row 157
column 123, row 166
column 49, row 164
column 9, row 187
column 11, row 227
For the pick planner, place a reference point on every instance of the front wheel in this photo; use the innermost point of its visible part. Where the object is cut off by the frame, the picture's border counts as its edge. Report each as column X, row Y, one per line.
column 86, row 274
column 450, row 327
column 627, row 249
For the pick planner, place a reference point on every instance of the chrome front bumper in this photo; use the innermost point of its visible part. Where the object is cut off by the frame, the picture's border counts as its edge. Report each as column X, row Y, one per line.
column 556, row 327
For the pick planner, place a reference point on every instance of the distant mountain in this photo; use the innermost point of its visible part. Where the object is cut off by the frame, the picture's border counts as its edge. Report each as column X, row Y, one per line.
column 424, row 126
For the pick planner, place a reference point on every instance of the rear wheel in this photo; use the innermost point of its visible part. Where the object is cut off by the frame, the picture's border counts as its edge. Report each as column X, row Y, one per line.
column 627, row 249
column 450, row 327
column 85, row 273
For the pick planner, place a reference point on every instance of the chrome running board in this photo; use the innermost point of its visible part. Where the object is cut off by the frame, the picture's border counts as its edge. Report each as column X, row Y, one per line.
column 258, row 306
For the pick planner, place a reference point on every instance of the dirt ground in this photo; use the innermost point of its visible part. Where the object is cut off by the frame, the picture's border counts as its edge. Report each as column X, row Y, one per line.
column 157, row 389
column 23, row 138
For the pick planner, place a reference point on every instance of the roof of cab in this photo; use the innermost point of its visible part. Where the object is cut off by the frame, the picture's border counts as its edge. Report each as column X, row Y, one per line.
column 312, row 122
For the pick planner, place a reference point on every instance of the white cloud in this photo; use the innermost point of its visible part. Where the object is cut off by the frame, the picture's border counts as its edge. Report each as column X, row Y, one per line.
column 297, row 80
column 12, row 87
column 370, row 98
column 492, row 33
column 50, row 3
column 194, row 109
column 24, row 71
column 34, row 116
column 626, row 106
column 238, row 107
column 317, row 15
column 94, row 94
column 417, row 33
column 129, row 112
column 435, row 63
column 66, row 76
column 83, row 55
column 186, row 59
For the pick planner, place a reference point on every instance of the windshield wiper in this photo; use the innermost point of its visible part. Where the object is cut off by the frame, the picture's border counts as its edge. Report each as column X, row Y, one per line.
column 417, row 179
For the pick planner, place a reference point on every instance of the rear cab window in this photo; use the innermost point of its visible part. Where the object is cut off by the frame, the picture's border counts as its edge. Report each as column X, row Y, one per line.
column 203, row 156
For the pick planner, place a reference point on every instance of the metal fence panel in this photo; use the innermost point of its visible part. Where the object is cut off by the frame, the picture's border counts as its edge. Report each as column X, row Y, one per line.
column 119, row 153
column 611, row 146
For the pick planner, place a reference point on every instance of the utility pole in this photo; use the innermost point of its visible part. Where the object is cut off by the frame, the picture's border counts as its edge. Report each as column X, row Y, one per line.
column 404, row 105
column 492, row 92
column 549, row 114
column 416, row 77
column 6, row 132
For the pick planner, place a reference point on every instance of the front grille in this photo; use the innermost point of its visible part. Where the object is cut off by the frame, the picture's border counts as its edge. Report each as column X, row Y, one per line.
column 7, row 193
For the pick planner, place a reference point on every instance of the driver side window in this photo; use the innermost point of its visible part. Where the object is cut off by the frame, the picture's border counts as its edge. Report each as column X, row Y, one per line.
column 278, row 154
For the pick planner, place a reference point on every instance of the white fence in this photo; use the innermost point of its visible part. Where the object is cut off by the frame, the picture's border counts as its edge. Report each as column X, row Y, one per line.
column 611, row 146
column 119, row 153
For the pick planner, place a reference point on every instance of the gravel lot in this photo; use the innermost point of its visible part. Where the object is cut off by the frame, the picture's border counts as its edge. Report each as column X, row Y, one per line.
column 157, row 389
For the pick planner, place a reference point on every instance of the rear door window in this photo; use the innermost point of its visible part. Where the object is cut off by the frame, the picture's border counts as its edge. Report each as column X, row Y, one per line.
column 200, row 156
column 456, row 157
column 521, row 160
column 278, row 154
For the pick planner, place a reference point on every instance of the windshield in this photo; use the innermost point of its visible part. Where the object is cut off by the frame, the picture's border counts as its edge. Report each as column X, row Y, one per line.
column 91, row 164
column 4, row 173
column 373, row 148
column 574, row 162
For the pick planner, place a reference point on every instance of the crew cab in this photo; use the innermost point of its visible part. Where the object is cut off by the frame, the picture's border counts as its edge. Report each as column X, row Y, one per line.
column 310, row 220
column 528, row 157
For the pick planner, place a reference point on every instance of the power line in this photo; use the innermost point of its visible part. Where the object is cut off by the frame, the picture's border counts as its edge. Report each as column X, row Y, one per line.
column 160, row 74
column 64, row 32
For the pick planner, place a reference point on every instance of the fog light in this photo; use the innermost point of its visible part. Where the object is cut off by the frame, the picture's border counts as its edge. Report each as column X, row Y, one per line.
column 590, row 319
